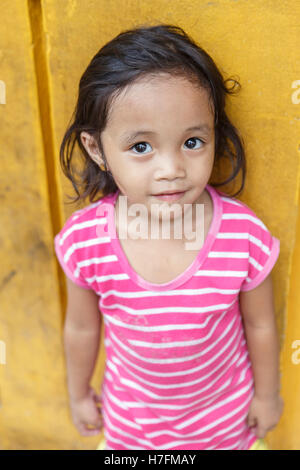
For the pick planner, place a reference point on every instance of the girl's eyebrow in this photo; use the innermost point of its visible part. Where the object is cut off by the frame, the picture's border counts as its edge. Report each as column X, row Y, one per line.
column 128, row 137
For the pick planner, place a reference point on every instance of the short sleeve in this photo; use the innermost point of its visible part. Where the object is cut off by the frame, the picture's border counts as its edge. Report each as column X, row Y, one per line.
column 263, row 249
column 67, row 250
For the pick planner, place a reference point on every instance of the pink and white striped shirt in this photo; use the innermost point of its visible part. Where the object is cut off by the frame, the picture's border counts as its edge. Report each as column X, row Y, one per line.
column 178, row 374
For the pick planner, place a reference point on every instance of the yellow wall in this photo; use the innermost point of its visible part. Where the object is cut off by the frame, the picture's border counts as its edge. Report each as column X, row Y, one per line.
column 44, row 48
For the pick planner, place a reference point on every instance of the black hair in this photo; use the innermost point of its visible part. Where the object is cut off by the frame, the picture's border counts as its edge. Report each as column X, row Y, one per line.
column 131, row 55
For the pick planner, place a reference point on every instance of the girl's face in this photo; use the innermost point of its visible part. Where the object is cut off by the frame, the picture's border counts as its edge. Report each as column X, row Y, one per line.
column 160, row 137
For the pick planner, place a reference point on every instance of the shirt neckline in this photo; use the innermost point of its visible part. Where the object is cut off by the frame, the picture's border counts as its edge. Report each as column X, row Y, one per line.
column 190, row 270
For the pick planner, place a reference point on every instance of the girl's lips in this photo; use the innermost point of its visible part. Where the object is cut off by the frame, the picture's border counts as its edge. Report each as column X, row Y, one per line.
column 169, row 197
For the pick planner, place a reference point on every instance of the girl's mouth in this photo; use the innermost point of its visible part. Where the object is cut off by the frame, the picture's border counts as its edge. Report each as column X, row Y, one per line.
column 170, row 196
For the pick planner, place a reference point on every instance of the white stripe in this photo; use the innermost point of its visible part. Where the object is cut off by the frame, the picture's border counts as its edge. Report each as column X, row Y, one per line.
column 120, row 418
column 181, row 442
column 210, row 409
column 254, row 263
column 83, row 210
column 138, row 327
column 206, row 400
column 260, row 244
column 119, row 441
column 174, row 359
column 217, row 421
column 98, row 260
column 159, row 406
column 173, row 344
column 153, row 434
column 186, row 407
column 239, row 432
column 141, row 294
column 122, row 433
column 250, row 217
column 173, row 374
column 84, row 244
column 116, row 277
column 220, row 273
column 135, row 447
column 80, row 226
column 180, row 373
column 233, row 235
column 218, row 433
column 176, row 385
column 230, row 201
column 233, row 425
column 160, row 310
column 88, row 262
column 120, row 404
column 239, row 362
column 200, row 415
column 243, row 374
column 227, row 254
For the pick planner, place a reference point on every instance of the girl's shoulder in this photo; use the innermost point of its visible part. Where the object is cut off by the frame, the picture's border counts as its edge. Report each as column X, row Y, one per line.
column 243, row 232
column 76, row 243
column 82, row 219
column 244, row 213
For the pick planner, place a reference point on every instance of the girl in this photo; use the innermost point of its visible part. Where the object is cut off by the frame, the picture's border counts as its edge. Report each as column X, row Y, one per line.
column 190, row 334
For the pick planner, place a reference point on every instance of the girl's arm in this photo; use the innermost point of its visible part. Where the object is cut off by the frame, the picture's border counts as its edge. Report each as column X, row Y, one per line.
column 257, row 310
column 82, row 331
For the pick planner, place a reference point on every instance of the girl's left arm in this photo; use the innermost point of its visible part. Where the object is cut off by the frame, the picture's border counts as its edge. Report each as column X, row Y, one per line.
column 257, row 309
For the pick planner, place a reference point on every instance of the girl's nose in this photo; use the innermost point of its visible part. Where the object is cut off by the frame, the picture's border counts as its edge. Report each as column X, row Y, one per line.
column 170, row 166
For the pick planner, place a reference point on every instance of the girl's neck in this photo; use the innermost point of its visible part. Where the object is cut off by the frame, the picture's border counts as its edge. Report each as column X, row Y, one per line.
column 184, row 228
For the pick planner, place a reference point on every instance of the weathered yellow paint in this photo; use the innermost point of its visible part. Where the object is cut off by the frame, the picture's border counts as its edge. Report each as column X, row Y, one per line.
column 287, row 433
column 40, row 68
column 32, row 390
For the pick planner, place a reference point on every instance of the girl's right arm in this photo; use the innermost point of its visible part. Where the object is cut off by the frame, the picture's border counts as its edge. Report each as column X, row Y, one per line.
column 82, row 331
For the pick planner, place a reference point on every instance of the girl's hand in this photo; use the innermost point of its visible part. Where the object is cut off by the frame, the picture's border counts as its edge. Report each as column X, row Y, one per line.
column 264, row 414
column 85, row 412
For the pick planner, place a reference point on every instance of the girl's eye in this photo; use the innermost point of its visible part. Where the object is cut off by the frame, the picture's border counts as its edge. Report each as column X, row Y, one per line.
column 191, row 142
column 141, row 146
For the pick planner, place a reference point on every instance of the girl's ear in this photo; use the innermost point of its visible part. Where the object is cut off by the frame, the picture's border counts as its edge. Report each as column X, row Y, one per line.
column 91, row 147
